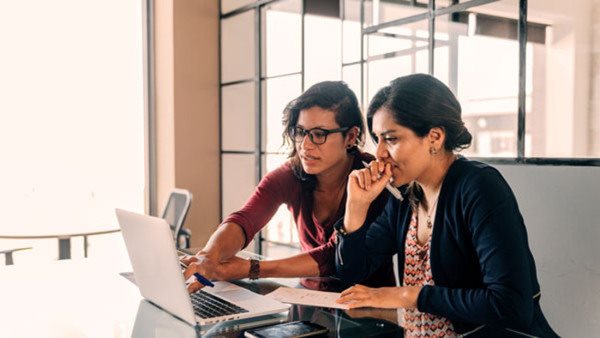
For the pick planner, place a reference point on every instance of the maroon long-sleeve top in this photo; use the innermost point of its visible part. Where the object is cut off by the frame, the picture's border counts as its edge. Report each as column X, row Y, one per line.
column 281, row 186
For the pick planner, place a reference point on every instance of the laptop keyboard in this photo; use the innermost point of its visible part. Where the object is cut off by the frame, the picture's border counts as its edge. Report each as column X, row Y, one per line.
column 207, row 305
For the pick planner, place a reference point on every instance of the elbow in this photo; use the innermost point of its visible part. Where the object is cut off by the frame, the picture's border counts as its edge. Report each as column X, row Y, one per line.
column 513, row 310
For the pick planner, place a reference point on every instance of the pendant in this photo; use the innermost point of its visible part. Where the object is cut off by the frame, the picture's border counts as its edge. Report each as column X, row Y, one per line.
column 429, row 224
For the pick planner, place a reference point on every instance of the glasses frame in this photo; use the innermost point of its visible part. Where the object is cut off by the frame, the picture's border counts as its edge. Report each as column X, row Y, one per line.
column 311, row 136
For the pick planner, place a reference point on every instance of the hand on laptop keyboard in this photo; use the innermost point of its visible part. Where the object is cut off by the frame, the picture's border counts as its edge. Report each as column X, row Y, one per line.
column 230, row 269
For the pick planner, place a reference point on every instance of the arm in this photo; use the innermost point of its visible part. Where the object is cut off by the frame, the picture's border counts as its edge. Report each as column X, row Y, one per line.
column 500, row 241
column 301, row 265
column 362, row 252
column 225, row 242
column 238, row 229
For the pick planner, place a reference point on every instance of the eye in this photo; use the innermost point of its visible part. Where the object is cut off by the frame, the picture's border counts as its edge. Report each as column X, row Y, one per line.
column 319, row 133
column 390, row 139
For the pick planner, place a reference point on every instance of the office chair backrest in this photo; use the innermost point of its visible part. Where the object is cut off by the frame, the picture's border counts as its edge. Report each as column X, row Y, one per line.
column 175, row 212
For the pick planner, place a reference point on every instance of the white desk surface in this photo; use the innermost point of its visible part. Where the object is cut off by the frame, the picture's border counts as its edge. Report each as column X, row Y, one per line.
column 69, row 298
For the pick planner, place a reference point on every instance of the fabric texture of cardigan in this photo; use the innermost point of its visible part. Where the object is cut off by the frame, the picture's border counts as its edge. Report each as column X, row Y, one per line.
column 482, row 266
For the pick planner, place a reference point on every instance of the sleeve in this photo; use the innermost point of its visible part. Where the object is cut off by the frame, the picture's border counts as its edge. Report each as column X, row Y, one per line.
column 362, row 252
column 323, row 255
column 272, row 191
column 498, row 234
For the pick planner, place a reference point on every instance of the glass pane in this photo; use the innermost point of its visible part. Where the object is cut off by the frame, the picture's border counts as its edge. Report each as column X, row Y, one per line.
column 71, row 122
column 351, row 75
column 230, row 5
column 406, row 52
column 238, row 119
column 281, row 227
column 322, row 52
column 383, row 11
column 447, row 3
column 563, row 69
column 466, row 59
column 277, row 93
column 351, row 31
column 282, row 38
column 238, row 47
column 239, row 180
column 400, row 38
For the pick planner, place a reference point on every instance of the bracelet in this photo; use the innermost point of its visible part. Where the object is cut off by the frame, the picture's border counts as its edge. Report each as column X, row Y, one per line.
column 339, row 228
column 254, row 269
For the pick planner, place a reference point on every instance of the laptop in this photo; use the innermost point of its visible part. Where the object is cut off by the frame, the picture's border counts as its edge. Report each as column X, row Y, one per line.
column 158, row 275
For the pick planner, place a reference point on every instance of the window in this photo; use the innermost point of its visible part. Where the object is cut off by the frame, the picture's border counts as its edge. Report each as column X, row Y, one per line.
column 526, row 98
column 71, row 121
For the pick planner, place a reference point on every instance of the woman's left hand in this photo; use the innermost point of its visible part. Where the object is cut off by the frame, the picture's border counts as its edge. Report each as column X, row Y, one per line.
column 386, row 297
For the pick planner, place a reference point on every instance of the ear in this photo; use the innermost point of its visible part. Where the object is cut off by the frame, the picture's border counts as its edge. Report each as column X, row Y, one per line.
column 437, row 138
column 352, row 136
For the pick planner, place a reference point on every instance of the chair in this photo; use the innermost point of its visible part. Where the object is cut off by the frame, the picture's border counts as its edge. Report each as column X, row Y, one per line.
column 8, row 255
column 175, row 212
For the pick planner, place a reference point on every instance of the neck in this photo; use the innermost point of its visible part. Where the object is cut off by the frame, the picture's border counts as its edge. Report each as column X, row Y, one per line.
column 336, row 176
column 432, row 181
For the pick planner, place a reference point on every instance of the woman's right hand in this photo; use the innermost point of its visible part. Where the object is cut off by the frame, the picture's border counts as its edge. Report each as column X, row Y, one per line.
column 364, row 185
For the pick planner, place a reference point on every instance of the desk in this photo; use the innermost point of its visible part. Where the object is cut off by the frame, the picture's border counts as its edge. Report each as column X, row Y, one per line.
column 88, row 298
column 64, row 240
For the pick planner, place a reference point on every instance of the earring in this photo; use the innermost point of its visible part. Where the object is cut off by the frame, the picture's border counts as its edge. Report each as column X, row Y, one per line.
column 432, row 151
column 348, row 146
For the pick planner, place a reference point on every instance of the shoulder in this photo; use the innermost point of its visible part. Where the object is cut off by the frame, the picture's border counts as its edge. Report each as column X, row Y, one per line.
column 283, row 174
column 478, row 184
column 470, row 174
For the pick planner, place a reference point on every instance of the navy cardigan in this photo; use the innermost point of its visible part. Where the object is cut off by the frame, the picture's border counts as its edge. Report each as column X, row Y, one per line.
column 483, row 270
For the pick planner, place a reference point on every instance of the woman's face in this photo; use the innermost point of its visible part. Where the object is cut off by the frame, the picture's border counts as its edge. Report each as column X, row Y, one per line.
column 407, row 153
column 319, row 159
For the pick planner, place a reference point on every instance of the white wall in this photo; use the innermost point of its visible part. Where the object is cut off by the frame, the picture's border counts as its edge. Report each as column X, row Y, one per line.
column 562, row 214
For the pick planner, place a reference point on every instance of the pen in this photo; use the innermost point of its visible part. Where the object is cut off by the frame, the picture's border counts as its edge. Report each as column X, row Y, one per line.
column 203, row 280
column 393, row 190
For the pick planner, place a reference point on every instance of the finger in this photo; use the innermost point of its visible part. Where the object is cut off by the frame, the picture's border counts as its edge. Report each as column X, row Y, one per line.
column 367, row 178
column 373, row 168
column 359, row 179
column 380, row 166
column 187, row 260
column 347, row 291
column 357, row 304
column 195, row 286
column 345, row 299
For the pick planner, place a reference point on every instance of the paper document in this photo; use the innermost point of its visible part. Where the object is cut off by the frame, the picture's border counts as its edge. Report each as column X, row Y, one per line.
column 307, row 297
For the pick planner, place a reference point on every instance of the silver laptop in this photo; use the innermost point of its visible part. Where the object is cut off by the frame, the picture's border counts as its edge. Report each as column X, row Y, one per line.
column 158, row 275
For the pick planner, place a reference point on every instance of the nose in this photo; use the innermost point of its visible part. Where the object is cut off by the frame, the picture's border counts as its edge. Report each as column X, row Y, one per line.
column 381, row 152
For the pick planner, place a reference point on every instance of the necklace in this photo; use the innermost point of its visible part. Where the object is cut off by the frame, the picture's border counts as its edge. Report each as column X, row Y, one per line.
column 429, row 212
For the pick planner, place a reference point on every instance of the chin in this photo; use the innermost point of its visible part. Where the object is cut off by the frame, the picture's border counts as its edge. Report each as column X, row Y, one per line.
column 311, row 170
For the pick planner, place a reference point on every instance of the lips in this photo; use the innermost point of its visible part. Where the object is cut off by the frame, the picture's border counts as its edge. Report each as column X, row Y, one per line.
column 308, row 158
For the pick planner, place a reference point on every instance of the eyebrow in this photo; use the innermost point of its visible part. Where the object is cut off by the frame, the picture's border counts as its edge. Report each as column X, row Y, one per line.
column 387, row 132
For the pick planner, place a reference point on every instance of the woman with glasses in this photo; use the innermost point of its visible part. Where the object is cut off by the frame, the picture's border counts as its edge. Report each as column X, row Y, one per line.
column 324, row 127
column 463, row 259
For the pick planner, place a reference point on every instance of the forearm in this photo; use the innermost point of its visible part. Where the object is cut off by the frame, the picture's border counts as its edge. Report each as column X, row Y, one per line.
column 225, row 242
column 355, row 216
column 301, row 265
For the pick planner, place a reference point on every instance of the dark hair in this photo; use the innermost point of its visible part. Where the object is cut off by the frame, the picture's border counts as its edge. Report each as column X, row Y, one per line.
column 334, row 96
column 420, row 102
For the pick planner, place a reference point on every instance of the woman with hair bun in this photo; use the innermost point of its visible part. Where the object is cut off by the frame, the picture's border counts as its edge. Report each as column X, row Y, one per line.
column 463, row 258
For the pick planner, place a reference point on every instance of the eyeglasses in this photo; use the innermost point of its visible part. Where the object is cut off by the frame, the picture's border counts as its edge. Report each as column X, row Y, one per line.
column 317, row 135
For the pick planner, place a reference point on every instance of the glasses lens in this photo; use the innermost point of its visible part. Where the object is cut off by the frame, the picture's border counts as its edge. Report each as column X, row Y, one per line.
column 298, row 134
column 318, row 136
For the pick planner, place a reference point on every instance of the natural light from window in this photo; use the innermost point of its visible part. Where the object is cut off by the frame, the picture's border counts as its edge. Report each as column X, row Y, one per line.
column 71, row 121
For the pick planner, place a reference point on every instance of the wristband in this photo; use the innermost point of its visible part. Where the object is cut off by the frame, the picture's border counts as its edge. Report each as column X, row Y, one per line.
column 254, row 272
